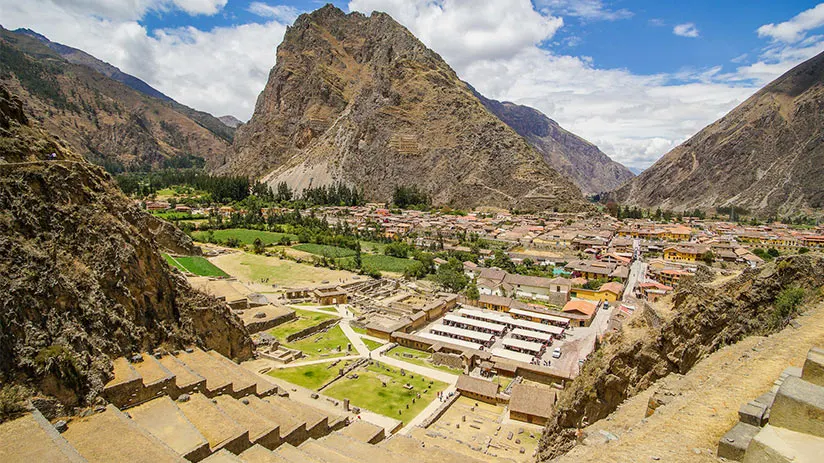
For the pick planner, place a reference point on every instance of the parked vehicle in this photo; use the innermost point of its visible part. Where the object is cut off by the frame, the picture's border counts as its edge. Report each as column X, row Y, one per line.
column 556, row 354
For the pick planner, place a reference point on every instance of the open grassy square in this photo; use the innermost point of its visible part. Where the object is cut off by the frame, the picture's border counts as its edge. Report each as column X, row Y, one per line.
column 195, row 264
column 368, row 391
column 323, row 345
column 304, row 320
column 308, row 376
column 419, row 357
column 285, row 273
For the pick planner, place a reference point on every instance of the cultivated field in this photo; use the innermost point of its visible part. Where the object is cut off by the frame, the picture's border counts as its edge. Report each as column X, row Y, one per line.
column 242, row 235
column 324, row 250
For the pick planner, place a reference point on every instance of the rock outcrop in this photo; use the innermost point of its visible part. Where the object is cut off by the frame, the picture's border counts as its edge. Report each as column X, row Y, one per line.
column 766, row 155
column 586, row 165
column 706, row 317
column 360, row 100
column 107, row 116
column 81, row 274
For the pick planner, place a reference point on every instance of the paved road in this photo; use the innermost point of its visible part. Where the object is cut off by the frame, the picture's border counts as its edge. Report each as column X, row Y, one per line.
column 637, row 274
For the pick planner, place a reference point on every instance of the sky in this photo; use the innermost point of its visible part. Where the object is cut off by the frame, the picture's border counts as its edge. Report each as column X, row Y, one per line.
column 635, row 77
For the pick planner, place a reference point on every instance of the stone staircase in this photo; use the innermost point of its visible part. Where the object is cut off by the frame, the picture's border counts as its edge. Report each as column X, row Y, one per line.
column 785, row 424
column 198, row 406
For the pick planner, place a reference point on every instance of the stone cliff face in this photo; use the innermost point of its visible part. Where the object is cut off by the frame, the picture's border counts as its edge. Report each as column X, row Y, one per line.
column 107, row 116
column 360, row 100
column 706, row 317
column 81, row 274
column 766, row 155
column 586, row 165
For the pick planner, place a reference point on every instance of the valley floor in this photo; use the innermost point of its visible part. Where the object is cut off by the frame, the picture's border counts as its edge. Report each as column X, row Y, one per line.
column 706, row 402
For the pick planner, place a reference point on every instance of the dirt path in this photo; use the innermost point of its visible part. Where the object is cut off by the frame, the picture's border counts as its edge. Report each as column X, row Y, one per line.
column 707, row 401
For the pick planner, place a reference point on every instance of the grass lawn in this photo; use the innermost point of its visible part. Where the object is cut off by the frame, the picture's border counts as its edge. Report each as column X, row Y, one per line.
column 372, row 345
column 173, row 262
column 243, row 236
column 308, row 376
column 196, row 264
column 358, row 329
column 323, row 345
column 305, row 320
column 254, row 267
column 367, row 391
column 419, row 357
column 324, row 250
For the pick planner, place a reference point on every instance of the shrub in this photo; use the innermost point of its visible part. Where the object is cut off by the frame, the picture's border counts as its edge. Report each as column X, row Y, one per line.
column 786, row 305
column 12, row 401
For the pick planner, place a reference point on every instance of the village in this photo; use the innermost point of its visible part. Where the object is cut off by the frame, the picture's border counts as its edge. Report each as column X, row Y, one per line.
column 493, row 359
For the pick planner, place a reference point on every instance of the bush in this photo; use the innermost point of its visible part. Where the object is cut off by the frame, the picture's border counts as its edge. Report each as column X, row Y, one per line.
column 804, row 250
column 786, row 305
column 12, row 401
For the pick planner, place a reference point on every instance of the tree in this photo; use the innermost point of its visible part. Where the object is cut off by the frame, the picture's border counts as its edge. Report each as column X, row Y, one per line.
column 707, row 257
column 258, row 247
column 232, row 242
column 804, row 250
column 773, row 252
column 472, row 292
column 450, row 276
column 358, row 260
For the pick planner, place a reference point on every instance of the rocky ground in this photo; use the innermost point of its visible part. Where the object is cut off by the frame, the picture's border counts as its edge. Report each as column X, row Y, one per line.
column 705, row 401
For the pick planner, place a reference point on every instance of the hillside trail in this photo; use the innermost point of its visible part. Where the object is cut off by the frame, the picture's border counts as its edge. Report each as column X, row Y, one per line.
column 706, row 401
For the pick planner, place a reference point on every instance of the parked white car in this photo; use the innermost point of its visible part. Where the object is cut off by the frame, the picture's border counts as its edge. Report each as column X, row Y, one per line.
column 556, row 354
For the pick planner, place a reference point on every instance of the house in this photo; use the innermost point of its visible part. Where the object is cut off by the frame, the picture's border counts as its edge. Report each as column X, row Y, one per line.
column 652, row 290
column 478, row 389
column 685, row 252
column 328, row 295
column 531, row 404
column 607, row 292
column 582, row 311
column 553, row 290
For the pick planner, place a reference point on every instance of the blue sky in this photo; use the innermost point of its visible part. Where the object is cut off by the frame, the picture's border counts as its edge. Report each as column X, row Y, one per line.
column 635, row 77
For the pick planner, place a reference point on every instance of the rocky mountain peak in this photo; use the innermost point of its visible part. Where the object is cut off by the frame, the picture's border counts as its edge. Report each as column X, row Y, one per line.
column 358, row 99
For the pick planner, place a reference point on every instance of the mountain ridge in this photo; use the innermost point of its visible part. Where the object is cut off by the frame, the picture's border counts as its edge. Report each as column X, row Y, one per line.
column 106, row 120
column 584, row 163
column 359, row 99
column 765, row 156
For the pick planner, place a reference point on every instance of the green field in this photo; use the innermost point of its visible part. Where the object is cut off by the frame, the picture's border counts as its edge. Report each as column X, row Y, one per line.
column 382, row 263
column 418, row 357
column 372, row 345
column 373, row 247
column 323, row 345
column 358, row 329
column 308, row 376
column 254, row 267
column 243, row 236
column 367, row 391
column 304, row 320
column 195, row 264
column 324, row 250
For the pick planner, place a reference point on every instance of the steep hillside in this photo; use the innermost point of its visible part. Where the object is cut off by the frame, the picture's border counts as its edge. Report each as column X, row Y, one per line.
column 766, row 155
column 705, row 318
column 230, row 121
column 586, row 165
column 81, row 273
column 94, row 108
column 360, row 100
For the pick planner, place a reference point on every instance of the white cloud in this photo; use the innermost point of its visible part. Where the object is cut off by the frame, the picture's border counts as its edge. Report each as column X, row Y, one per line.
column 221, row 71
column 685, row 30
column 796, row 28
column 133, row 9
column 466, row 30
column 586, row 9
column 283, row 13
column 500, row 47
